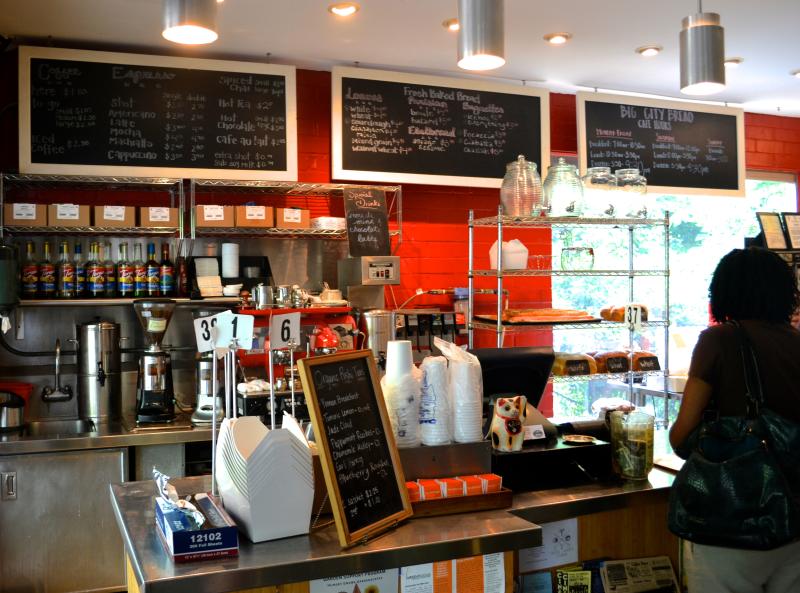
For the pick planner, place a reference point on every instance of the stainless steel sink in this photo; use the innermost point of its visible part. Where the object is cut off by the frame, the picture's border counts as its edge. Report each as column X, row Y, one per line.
column 40, row 428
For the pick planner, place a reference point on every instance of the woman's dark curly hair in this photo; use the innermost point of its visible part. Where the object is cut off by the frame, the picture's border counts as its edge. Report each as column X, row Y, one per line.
column 753, row 283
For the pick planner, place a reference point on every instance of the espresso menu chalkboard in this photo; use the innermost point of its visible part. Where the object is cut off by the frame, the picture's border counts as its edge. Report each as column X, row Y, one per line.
column 98, row 113
column 367, row 221
column 356, row 447
column 390, row 126
column 678, row 146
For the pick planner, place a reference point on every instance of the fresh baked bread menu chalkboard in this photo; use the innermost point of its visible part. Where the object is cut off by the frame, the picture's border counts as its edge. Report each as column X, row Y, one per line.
column 403, row 128
column 127, row 114
column 678, row 146
column 355, row 443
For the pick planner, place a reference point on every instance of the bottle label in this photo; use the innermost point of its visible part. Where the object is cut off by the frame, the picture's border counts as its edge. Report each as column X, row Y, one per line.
column 139, row 279
column 66, row 278
column 47, row 278
column 167, row 279
column 153, row 281
column 111, row 278
column 95, row 279
column 30, row 279
column 125, row 279
column 80, row 278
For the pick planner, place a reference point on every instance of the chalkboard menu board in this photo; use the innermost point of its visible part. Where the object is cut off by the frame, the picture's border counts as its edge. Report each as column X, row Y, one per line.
column 356, row 447
column 367, row 221
column 100, row 113
column 404, row 128
column 678, row 146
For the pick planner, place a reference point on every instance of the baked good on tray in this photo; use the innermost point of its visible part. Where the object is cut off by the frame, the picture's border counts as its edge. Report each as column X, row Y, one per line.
column 615, row 361
column 573, row 363
column 543, row 316
column 617, row 312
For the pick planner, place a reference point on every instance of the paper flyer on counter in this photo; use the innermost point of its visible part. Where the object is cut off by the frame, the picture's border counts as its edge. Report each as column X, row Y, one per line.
column 638, row 575
column 478, row 574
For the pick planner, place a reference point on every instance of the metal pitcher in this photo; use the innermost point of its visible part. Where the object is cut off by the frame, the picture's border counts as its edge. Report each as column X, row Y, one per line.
column 379, row 327
column 262, row 296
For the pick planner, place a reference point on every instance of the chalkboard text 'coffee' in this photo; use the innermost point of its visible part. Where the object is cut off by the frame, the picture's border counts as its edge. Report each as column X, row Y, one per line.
column 108, row 114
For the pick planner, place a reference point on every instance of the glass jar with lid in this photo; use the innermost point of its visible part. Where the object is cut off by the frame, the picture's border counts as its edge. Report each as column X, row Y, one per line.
column 521, row 190
column 632, row 184
column 563, row 189
column 598, row 190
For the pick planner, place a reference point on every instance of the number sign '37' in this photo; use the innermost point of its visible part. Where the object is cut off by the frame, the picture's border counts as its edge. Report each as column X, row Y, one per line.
column 284, row 329
column 220, row 329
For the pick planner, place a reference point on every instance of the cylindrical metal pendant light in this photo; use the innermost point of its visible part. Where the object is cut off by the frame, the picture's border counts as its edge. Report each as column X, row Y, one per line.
column 190, row 22
column 480, row 37
column 702, row 54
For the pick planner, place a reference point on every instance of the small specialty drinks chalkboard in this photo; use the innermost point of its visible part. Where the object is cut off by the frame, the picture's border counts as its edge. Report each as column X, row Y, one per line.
column 367, row 221
column 410, row 128
column 681, row 147
column 356, row 447
column 102, row 113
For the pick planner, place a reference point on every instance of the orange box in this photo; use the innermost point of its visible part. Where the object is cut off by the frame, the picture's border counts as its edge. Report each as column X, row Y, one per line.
column 24, row 215
column 214, row 216
column 157, row 216
column 115, row 216
column 413, row 491
column 491, row 483
column 429, row 489
column 69, row 215
column 292, row 218
column 255, row 216
column 451, row 487
column 472, row 485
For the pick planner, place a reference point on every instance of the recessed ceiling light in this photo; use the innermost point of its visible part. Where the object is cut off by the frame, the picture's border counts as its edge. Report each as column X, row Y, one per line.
column 344, row 8
column 648, row 51
column 795, row 73
column 451, row 25
column 558, row 38
column 733, row 62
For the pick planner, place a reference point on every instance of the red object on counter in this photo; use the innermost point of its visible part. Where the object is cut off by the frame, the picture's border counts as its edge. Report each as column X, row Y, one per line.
column 413, row 491
column 491, row 483
column 325, row 337
column 19, row 388
column 472, row 485
column 429, row 489
column 451, row 487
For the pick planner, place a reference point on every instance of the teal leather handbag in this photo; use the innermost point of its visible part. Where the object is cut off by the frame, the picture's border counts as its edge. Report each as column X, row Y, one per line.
column 740, row 484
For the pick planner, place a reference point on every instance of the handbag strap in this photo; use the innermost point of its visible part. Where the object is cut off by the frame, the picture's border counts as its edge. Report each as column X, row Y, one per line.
column 754, row 393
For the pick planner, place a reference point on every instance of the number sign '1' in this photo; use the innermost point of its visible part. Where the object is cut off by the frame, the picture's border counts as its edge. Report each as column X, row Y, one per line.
column 220, row 329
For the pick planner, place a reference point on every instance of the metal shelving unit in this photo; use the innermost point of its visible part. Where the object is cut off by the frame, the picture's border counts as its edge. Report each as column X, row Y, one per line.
column 102, row 302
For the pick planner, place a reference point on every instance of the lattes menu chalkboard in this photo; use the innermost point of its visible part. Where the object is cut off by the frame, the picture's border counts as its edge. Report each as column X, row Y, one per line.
column 356, row 447
column 678, row 146
column 403, row 128
column 127, row 114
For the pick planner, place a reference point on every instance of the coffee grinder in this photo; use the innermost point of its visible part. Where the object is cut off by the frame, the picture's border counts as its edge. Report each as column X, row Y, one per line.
column 154, row 393
column 207, row 385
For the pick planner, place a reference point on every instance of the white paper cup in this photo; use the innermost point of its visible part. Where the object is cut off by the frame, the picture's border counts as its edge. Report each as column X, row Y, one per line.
column 398, row 359
column 230, row 260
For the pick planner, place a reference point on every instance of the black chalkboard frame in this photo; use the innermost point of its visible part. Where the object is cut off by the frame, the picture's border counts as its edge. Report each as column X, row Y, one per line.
column 583, row 153
column 27, row 53
column 337, row 121
column 348, row 538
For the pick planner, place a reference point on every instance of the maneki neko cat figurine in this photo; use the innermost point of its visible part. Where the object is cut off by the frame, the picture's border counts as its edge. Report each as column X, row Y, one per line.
column 506, row 429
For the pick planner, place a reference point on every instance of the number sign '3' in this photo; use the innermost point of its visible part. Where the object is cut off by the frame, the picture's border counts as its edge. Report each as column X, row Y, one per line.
column 284, row 329
column 218, row 330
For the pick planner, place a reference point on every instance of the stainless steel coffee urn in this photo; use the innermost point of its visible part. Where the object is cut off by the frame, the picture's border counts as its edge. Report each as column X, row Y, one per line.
column 379, row 326
column 99, row 366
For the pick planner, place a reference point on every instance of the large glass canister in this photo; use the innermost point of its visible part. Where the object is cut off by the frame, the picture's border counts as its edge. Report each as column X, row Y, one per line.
column 521, row 191
column 632, row 436
column 632, row 185
column 598, row 191
column 563, row 190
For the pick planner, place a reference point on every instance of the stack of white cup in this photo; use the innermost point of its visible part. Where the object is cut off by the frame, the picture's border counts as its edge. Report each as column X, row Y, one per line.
column 230, row 260
column 401, row 392
column 466, row 394
column 434, row 409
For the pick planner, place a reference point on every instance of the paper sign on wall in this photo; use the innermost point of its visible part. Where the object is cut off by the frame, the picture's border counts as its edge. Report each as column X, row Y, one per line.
column 559, row 546
column 478, row 574
column 384, row 581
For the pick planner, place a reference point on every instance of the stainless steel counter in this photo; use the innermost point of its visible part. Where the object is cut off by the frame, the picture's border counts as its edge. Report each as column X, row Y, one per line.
column 106, row 435
column 302, row 558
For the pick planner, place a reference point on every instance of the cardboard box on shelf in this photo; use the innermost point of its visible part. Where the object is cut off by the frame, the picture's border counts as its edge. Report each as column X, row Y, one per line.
column 214, row 216
column 69, row 215
column 255, row 216
column 24, row 214
column 157, row 216
column 115, row 216
column 292, row 218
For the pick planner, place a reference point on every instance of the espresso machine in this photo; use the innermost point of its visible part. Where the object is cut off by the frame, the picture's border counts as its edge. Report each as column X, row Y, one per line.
column 154, row 393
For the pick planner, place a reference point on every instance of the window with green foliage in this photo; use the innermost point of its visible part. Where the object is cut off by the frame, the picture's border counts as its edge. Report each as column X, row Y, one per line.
column 702, row 229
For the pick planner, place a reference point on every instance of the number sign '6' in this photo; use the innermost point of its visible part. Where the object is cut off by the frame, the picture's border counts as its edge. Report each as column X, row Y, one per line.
column 284, row 329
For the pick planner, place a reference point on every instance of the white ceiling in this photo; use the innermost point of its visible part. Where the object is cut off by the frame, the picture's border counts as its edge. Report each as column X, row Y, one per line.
column 408, row 35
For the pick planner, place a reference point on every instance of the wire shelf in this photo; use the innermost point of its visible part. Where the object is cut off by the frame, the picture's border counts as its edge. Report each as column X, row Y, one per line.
column 276, row 233
column 565, row 221
column 285, row 188
column 526, row 273
column 93, row 182
column 104, row 302
column 604, row 377
column 72, row 230
column 593, row 325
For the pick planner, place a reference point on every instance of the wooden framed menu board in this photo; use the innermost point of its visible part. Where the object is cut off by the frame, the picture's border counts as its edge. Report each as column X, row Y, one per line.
column 356, row 447
column 680, row 147
column 102, row 113
column 410, row 128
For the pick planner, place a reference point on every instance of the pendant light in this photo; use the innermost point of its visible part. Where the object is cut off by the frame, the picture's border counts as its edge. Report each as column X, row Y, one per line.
column 190, row 22
column 480, row 35
column 702, row 53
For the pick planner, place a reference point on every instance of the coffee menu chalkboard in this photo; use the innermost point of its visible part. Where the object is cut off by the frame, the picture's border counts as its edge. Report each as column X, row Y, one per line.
column 356, row 447
column 404, row 128
column 84, row 112
column 367, row 221
column 678, row 146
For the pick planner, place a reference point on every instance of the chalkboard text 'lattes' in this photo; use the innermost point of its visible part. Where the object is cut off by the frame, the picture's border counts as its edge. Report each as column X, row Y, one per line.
column 95, row 112
column 677, row 146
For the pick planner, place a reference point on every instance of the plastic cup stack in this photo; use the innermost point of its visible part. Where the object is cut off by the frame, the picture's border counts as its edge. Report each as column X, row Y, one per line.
column 230, row 260
column 401, row 392
column 434, row 409
column 466, row 388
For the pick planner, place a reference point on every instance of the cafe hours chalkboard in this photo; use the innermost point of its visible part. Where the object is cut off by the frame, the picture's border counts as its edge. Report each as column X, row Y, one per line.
column 367, row 221
column 356, row 447
column 411, row 128
column 680, row 147
column 103, row 113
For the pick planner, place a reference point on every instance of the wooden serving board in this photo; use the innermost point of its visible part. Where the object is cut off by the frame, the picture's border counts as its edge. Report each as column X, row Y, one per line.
column 463, row 504
column 493, row 319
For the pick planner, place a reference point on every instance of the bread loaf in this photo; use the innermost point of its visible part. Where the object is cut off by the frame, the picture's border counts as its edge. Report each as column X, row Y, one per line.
column 617, row 312
column 612, row 362
column 645, row 361
column 567, row 364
